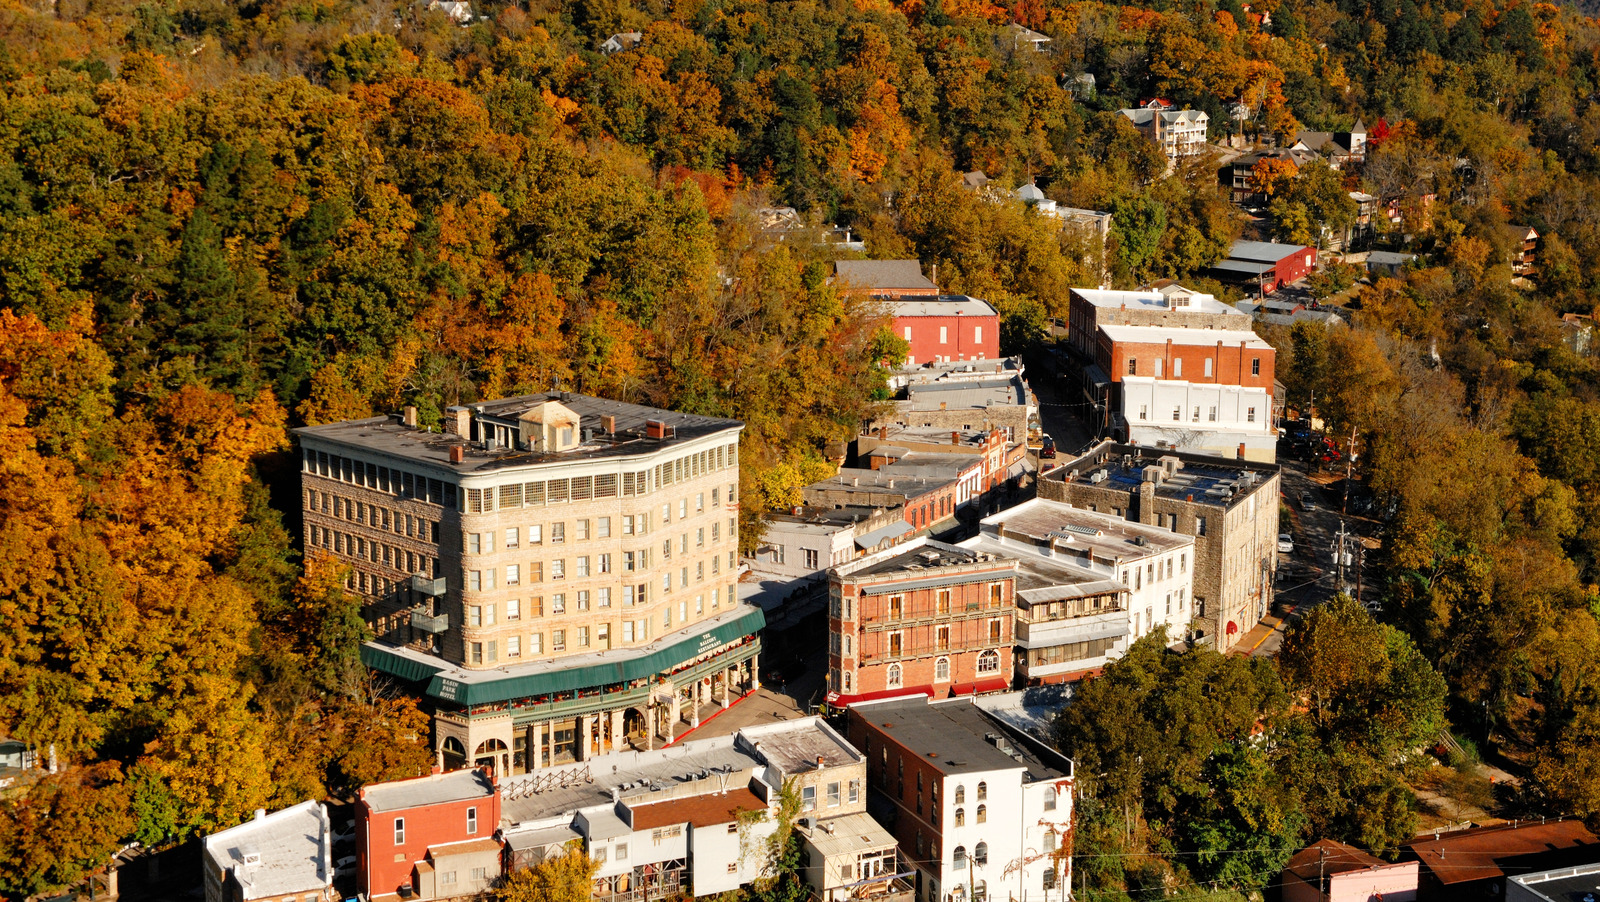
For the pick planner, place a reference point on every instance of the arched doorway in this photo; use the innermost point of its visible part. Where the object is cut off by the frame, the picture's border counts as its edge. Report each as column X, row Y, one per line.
column 489, row 754
column 455, row 754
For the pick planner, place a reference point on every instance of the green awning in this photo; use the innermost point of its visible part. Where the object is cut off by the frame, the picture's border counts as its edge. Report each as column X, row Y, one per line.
column 588, row 676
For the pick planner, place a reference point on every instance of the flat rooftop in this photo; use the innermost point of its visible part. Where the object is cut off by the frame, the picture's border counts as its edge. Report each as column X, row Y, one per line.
column 1190, row 337
column 1572, row 884
column 794, row 751
column 290, row 845
column 1109, row 537
column 1484, row 853
column 1153, row 301
column 851, row 479
column 957, row 394
column 954, row 737
column 848, row 834
column 435, row 789
column 1200, row 478
column 943, row 305
column 1041, row 579
column 918, row 557
column 389, row 436
column 687, row 769
column 1263, row 251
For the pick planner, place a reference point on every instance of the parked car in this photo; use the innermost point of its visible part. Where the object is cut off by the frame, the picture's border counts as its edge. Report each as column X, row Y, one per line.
column 1047, row 451
column 1285, row 543
column 344, row 831
column 1308, row 501
column 345, row 866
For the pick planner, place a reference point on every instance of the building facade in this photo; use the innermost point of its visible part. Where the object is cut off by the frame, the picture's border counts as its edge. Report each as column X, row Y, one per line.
column 1088, row 585
column 924, row 617
column 428, row 838
column 947, row 328
column 984, row 813
column 1179, row 133
column 555, row 571
column 1230, row 507
column 285, row 856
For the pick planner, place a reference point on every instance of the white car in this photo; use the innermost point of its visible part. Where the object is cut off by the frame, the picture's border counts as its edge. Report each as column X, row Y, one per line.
column 1285, row 543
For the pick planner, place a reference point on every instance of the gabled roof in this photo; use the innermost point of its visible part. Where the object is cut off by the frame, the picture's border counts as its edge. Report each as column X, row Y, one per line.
column 1327, row 857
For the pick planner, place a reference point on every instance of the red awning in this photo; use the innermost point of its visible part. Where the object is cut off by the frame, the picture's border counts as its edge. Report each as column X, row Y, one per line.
column 844, row 701
column 992, row 684
column 1232, row 627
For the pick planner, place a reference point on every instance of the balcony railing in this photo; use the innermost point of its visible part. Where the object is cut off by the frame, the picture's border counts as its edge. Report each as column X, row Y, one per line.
column 430, row 623
column 427, row 586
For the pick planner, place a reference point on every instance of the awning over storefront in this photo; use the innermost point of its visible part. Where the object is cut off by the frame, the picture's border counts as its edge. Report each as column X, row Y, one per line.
column 452, row 684
column 893, row 531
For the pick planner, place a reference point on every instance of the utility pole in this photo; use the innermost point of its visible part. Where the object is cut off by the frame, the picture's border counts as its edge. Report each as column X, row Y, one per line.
column 1349, row 468
column 1338, row 557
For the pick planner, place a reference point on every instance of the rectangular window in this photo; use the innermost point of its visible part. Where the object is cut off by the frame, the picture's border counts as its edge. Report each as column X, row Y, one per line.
column 1195, row 417
column 1208, row 367
column 582, row 567
column 514, row 647
column 399, row 831
column 1177, row 414
column 855, row 791
column 583, row 530
column 835, row 799
column 558, row 640
column 1133, row 367
column 977, row 334
column 535, row 535
column 474, row 543
column 474, row 615
column 536, row 644
column 1199, row 526
column 514, row 609
column 474, row 580
column 627, row 630
column 1143, row 410
column 808, row 798
column 1158, row 365
column 627, row 561
column 602, row 528
column 1255, row 366
column 558, row 533
column 605, row 564
column 513, row 574
column 1177, row 368
column 604, row 596
column 811, row 558
column 627, row 525
column 583, row 637
column 1213, row 414
column 1250, row 415
column 558, row 603
column 472, row 821
column 513, row 536
column 944, row 335
column 583, row 600
column 558, row 569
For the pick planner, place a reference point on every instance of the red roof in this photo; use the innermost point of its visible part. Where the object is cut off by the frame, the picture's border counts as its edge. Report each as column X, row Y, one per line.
column 701, row 811
column 1483, row 853
column 1329, row 857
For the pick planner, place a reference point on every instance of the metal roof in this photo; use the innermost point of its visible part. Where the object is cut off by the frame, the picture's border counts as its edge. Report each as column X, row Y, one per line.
column 1263, row 251
column 449, row 682
column 434, row 789
column 943, row 305
column 885, row 275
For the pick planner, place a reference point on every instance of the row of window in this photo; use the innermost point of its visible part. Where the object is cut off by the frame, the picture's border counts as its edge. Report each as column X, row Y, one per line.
column 606, row 485
column 599, row 637
column 941, row 638
column 988, row 663
column 400, row 826
column 371, row 515
column 841, row 608
column 380, row 479
column 1177, row 367
column 1071, row 651
column 357, row 547
column 808, row 795
column 1155, row 570
column 584, row 567
column 944, row 334
column 1177, row 414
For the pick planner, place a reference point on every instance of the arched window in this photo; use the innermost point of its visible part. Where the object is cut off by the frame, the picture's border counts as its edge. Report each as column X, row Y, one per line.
column 1049, row 840
column 980, row 891
column 489, row 746
column 941, row 670
column 980, row 854
column 961, row 794
column 989, row 662
column 1050, row 879
column 983, row 792
column 455, row 754
column 958, row 858
column 894, row 676
column 959, row 894
column 961, row 817
column 983, row 814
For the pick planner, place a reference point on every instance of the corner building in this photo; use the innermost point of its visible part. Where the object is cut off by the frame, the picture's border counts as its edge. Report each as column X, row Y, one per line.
column 555, row 572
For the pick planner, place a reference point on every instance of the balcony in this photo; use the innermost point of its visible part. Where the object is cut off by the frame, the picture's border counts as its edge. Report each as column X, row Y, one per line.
column 426, row 586
column 895, row 888
column 430, row 623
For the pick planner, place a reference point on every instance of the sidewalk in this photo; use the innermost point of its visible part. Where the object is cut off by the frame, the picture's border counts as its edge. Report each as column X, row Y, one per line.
column 1264, row 639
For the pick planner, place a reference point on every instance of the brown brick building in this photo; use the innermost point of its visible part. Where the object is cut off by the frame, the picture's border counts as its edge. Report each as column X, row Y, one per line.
column 1229, row 506
column 923, row 617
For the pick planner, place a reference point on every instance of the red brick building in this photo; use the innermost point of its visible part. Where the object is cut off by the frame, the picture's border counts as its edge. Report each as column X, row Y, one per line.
column 945, row 328
column 928, row 502
column 925, row 618
column 431, row 837
column 1197, row 356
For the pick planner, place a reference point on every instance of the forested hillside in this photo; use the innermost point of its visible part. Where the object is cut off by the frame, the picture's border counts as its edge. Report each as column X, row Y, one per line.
column 219, row 220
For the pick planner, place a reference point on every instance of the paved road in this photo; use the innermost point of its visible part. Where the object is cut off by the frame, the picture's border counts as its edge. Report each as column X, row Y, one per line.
column 1062, row 412
column 1307, row 577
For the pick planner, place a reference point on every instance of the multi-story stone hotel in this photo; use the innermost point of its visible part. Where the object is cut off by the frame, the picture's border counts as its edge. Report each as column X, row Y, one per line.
column 555, row 572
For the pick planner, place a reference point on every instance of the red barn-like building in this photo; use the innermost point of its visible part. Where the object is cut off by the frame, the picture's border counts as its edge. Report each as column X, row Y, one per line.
column 1265, row 265
column 433, row 835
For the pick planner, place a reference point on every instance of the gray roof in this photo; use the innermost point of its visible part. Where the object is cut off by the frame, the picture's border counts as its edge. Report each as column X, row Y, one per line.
column 879, row 482
column 958, row 393
column 943, row 305
column 848, row 835
column 1262, row 251
column 294, row 858
column 538, row 837
column 1239, row 266
column 389, row 436
column 952, row 737
column 794, row 751
column 435, row 789
column 883, row 275
column 1389, row 258
column 1143, row 117
column 921, row 557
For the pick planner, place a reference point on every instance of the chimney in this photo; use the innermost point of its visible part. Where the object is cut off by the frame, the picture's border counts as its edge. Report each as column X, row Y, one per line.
column 458, row 421
column 261, row 814
column 955, row 437
column 1241, row 450
column 819, row 762
column 458, row 453
column 608, row 424
column 657, row 429
column 410, row 417
column 883, row 432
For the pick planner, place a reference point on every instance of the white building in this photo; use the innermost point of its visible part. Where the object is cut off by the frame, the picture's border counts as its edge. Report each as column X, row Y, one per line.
column 1089, row 584
column 985, row 812
column 285, row 855
column 1179, row 133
